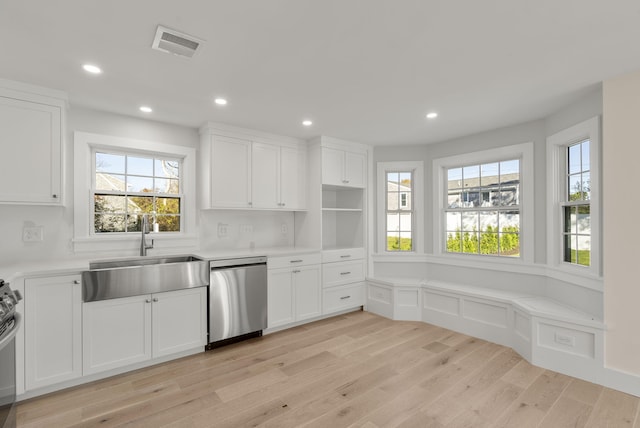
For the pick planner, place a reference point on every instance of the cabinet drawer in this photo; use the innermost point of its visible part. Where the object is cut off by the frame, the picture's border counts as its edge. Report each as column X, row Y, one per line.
column 342, row 297
column 343, row 255
column 342, row 273
column 293, row 260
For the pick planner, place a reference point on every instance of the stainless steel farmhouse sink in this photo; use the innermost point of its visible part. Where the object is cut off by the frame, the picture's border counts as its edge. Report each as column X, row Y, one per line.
column 133, row 277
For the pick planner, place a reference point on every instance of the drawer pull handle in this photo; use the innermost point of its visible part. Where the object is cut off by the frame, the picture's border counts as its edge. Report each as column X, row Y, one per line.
column 345, row 273
column 346, row 256
column 295, row 261
column 345, row 297
column 296, row 271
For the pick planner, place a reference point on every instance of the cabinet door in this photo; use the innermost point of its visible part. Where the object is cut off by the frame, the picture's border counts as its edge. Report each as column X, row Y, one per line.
column 308, row 292
column 291, row 179
column 52, row 323
column 355, row 164
column 179, row 321
column 280, row 298
column 30, row 149
column 230, row 173
column 116, row 333
column 332, row 166
column 265, row 166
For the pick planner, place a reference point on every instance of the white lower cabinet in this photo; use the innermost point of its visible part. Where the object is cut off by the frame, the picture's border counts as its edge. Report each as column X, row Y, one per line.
column 52, row 326
column 294, row 293
column 342, row 297
column 130, row 330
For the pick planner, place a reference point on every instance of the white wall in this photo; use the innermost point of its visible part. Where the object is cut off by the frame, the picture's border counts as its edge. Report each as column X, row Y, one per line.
column 621, row 157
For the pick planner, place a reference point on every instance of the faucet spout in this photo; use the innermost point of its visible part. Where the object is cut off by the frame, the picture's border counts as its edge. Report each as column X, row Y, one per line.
column 145, row 230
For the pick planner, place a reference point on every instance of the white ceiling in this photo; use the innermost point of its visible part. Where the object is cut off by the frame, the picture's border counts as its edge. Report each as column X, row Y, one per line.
column 362, row 70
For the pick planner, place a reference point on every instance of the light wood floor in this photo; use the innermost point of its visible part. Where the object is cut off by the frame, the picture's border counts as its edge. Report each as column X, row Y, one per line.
column 355, row 370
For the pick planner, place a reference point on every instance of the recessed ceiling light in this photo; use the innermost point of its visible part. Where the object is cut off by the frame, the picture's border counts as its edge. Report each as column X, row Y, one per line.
column 93, row 69
column 146, row 109
column 307, row 122
column 220, row 101
column 432, row 115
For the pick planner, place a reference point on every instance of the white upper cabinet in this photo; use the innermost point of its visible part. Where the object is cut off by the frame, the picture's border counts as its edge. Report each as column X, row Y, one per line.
column 265, row 176
column 31, row 136
column 230, row 164
column 343, row 168
column 242, row 173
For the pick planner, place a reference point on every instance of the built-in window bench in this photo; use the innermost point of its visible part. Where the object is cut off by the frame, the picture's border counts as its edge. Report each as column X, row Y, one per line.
column 547, row 333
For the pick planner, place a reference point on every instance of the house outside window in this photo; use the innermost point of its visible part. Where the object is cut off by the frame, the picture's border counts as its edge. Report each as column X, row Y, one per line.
column 126, row 186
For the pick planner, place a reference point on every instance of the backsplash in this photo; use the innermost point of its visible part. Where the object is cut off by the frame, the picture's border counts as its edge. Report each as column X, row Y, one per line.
column 238, row 229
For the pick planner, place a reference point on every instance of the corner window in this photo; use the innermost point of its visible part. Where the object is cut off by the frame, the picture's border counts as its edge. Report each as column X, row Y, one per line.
column 482, row 209
column 573, row 189
column 399, row 213
column 484, row 204
column 126, row 186
column 400, row 207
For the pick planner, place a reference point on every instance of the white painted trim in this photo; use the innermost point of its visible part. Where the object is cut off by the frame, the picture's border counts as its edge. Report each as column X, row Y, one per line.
column 84, row 143
column 556, row 143
column 621, row 381
column 418, row 205
column 524, row 151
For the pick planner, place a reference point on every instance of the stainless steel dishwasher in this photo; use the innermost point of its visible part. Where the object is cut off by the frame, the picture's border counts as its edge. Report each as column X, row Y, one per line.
column 237, row 299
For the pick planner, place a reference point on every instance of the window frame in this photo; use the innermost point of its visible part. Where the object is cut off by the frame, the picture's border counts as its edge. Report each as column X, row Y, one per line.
column 557, row 186
column 524, row 152
column 417, row 205
column 85, row 239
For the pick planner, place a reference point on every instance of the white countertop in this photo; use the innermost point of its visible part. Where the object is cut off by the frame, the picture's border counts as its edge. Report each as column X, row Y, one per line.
column 79, row 264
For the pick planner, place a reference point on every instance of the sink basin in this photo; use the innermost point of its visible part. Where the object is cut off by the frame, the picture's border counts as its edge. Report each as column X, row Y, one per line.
column 109, row 264
column 113, row 279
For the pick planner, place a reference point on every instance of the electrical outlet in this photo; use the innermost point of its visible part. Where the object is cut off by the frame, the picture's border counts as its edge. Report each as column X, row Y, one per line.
column 565, row 339
column 284, row 229
column 222, row 230
column 246, row 228
column 32, row 234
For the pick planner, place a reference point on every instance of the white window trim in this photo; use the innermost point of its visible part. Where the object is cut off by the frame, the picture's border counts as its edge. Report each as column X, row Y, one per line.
column 84, row 240
column 556, row 145
column 524, row 152
column 417, row 167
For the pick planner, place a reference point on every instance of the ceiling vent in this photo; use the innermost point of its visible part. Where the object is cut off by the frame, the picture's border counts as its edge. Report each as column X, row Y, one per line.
column 175, row 42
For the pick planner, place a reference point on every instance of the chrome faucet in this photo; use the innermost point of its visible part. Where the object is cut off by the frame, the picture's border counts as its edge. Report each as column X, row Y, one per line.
column 145, row 230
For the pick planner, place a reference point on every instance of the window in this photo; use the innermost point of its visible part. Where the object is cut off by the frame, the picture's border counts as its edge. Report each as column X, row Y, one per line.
column 126, row 186
column 484, row 204
column 399, row 213
column 400, row 207
column 576, row 206
column 482, row 209
column 117, row 179
column 573, row 237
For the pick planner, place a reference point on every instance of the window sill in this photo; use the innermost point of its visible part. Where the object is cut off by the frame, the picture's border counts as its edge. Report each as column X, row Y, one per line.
column 110, row 243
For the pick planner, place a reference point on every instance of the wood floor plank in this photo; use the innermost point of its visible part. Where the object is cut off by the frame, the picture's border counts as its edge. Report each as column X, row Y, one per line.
column 615, row 409
column 356, row 369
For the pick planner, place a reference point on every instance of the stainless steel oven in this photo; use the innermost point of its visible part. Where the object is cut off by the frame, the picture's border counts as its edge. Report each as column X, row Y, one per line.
column 9, row 325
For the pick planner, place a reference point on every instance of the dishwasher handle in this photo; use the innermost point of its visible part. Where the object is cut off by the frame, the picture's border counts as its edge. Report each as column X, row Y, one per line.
column 244, row 261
